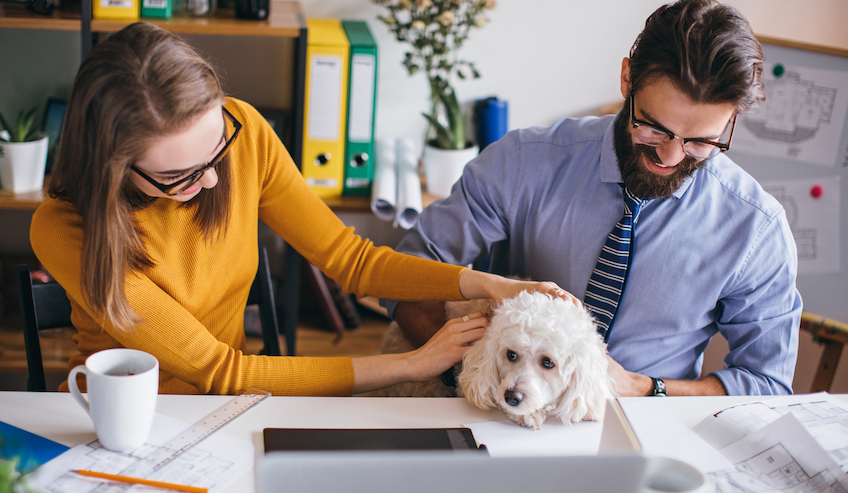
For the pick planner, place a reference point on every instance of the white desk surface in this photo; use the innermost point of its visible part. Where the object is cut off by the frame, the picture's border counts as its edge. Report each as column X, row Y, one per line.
column 58, row 417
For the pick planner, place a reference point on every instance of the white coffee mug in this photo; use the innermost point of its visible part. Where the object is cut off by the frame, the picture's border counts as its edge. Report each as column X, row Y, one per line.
column 122, row 389
column 667, row 475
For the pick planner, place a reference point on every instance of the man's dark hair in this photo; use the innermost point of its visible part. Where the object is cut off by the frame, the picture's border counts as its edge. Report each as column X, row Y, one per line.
column 706, row 49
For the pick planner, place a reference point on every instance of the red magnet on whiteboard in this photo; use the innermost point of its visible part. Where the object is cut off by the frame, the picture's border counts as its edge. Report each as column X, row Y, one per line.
column 816, row 191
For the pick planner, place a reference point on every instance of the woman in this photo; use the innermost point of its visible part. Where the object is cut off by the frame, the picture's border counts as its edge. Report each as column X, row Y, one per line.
column 151, row 228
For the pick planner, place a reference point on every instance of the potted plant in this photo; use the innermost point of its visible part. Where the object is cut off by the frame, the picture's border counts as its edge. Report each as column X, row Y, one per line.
column 435, row 31
column 23, row 154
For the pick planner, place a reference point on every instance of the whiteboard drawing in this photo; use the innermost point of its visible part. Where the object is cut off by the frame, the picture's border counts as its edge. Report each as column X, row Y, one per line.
column 805, row 238
column 814, row 220
column 802, row 118
column 793, row 110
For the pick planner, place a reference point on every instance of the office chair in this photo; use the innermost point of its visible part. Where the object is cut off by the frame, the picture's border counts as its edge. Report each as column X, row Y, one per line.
column 43, row 306
column 833, row 336
column 46, row 306
column 262, row 294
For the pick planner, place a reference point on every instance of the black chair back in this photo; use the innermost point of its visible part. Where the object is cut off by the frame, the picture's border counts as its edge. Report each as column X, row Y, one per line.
column 43, row 306
column 262, row 294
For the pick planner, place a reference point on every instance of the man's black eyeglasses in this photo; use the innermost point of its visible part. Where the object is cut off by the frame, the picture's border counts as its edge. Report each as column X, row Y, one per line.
column 185, row 183
column 647, row 134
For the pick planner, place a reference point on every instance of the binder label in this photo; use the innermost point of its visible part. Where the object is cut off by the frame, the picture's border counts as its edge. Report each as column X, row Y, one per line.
column 357, row 182
column 361, row 97
column 322, row 182
column 123, row 4
column 325, row 91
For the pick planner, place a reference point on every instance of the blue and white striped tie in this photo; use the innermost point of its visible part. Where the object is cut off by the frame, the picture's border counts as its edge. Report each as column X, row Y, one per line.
column 607, row 281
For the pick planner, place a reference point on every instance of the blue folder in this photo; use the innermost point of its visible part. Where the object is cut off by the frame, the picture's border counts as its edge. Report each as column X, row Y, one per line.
column 31, row 449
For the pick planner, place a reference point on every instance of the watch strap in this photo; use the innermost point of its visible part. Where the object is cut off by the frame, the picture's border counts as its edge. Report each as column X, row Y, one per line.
column 659, row 387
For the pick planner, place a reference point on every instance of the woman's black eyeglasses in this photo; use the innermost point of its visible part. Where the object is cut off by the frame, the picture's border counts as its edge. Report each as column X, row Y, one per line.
column 185, row 183
column 647, row 134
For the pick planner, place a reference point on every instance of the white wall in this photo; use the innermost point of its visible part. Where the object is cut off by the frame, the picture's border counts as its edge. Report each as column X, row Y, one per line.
column 556, row 58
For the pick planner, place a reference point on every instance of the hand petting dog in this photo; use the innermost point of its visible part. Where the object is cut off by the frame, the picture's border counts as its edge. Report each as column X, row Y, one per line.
column 540, row 357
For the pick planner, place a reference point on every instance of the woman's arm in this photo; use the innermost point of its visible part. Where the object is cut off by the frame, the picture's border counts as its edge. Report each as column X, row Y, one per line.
column 441, row 352
column 474, row 284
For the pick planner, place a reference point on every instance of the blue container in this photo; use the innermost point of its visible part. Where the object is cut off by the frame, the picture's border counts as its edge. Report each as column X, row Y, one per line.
column 491, row 119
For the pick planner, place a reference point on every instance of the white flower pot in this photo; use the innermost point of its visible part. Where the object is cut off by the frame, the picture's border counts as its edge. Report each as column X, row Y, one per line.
column 443, row 167
column 22, row 165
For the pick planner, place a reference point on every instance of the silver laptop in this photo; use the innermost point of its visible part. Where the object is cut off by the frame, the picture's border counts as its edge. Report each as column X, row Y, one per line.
column 448, row 472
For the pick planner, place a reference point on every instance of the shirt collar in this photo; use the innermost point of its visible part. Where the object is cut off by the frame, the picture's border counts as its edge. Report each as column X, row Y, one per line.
column 609, row 164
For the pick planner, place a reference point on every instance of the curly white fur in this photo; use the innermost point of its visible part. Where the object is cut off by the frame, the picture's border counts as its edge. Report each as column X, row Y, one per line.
column 539, row 358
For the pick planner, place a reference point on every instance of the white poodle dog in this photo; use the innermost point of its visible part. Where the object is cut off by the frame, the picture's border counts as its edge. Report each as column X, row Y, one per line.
column 540, row 357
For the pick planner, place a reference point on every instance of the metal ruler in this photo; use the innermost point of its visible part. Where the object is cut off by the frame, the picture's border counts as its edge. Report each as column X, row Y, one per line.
column 198, row 432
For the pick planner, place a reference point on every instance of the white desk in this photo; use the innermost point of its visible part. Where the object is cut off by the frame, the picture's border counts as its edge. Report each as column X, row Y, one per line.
column 56, row 416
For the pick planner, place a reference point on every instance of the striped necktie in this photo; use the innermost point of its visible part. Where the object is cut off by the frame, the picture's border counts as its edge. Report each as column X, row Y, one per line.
column 607, row 281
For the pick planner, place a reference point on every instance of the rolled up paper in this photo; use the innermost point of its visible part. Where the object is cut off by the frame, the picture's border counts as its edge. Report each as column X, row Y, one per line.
column 384, row 189
column 409, row 204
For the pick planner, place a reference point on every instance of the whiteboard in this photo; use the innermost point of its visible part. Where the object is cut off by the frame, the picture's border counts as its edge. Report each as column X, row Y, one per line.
column 796, row 146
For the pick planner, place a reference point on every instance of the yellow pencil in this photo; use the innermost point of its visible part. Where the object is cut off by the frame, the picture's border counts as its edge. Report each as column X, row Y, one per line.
column 146, row 482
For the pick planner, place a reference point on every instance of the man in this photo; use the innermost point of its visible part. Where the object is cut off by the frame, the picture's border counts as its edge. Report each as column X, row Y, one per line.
column 711, row 251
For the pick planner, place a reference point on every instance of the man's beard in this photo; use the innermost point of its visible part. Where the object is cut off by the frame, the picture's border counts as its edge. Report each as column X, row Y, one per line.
column 641, row 181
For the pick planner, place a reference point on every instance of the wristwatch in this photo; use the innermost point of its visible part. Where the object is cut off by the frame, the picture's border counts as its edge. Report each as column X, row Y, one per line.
column 659, row 387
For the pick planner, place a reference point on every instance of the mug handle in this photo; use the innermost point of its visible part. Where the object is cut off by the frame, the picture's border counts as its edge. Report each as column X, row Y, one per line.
column 74, row 388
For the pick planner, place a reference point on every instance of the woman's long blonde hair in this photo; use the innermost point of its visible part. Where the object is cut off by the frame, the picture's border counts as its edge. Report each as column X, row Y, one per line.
column 140, row 84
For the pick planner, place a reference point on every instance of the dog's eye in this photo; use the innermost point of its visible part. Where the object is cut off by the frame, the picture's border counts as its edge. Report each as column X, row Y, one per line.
column 547, row 363
column 510, row 355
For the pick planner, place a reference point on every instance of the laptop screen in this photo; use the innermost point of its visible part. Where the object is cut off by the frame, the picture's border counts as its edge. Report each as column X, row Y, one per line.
column 445, row 472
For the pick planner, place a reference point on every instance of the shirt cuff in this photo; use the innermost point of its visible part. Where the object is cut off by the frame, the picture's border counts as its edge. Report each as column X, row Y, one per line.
column 390, row 306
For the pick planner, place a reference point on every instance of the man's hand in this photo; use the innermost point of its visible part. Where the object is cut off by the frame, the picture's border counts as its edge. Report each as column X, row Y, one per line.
column 629, row 384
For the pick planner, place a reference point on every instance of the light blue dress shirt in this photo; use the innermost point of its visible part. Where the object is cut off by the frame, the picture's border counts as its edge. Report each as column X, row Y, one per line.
column 717, row 256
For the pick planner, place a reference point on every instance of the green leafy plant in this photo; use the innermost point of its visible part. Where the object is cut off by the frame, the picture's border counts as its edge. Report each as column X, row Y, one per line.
column 12, row 479
column 23, row 130
column 435, row 31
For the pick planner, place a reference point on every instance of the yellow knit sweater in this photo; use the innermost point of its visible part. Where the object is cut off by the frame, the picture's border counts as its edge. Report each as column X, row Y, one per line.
column 192, row 301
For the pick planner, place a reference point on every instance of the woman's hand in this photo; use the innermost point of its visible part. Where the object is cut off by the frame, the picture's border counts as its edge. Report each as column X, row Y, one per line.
column 475, row 284
column 447, row 346
column 441, row 352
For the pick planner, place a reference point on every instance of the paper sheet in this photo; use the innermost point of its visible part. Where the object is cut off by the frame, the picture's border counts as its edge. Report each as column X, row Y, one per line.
column 823, row 416
column 507, row 439
column 663, row 435
column 384, row 189
column 409, row 203
column 812, row 210
column 214, row 463
column 802, row 118
column 781, row 456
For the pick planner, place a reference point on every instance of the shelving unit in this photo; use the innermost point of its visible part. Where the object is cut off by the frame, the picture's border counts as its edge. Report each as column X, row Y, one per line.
column 14, row 15
column 286, row 19
column 283, row 21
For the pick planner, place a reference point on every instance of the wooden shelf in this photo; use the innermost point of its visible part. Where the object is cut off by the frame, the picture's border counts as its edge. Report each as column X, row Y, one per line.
column 31, row 200
column 284, row 20
column 14, row 15
column 21, row 201
column 363, row 204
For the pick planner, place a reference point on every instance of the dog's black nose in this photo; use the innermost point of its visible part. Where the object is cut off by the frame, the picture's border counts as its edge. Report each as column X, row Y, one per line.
column 513, row 398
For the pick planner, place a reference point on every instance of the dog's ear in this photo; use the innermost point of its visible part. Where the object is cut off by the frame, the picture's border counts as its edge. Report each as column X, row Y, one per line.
column 587, row 389
column 478, row 381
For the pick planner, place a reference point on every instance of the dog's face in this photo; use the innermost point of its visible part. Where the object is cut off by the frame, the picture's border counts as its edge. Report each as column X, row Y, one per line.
column 540, row 356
